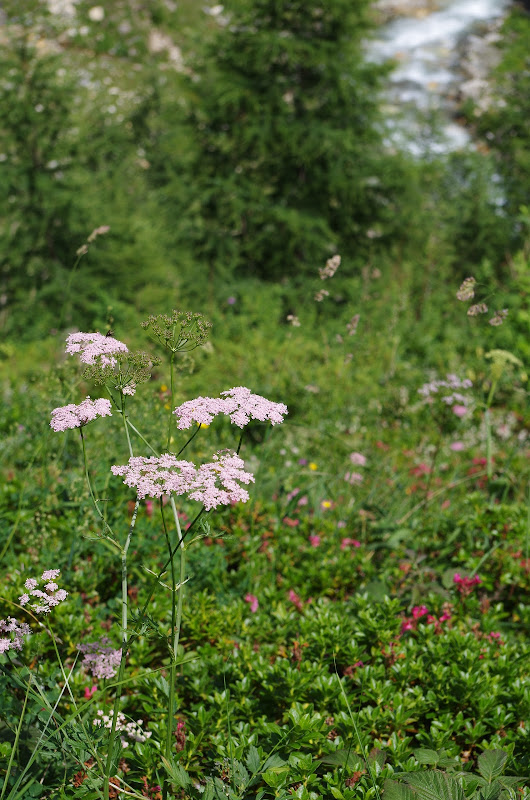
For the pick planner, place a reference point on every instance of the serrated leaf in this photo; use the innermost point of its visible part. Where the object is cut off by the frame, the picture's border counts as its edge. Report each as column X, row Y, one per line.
column 176, row 773
column 434, row 785
column 253, row 761
column 393, row 790
column 491, row 792
column 491, row 763
column 426, row 756
column 343, row 758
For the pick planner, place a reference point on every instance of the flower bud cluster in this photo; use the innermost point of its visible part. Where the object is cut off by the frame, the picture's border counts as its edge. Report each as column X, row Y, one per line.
column 179, row 332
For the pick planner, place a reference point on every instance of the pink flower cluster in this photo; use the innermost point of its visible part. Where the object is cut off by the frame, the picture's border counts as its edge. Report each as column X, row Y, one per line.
column 94, row 348
column 75, row 416
column 253, row 602
column 213, row 484
column 47, row 599
column 465, row 585
column 16, row 630
column 448, row 391
column 238, row 403
column 418, row 612
column 100, row 659
column 355, row 478
column 347, row 543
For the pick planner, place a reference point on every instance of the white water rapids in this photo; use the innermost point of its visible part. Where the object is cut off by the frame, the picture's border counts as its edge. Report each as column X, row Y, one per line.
column 425, row 40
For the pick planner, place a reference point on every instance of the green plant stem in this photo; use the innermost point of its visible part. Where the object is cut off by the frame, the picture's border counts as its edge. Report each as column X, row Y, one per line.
column 100, row 514
column 15, row 743
column 176, row 621
column 171, row 401
column 124, row 621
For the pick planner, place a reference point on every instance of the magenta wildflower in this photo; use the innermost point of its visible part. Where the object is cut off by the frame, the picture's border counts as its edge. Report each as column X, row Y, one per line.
column 295, row 600
column 72, row 416
column 419, row 611
column 253, row 602
column 94, row 348
column 89, row 691
column 45, row 600
column 238, row 403
column 314, row 541
column 459, row 411
column 347, row 542
column 100, row 659
column 465, row 584
column 17, row 631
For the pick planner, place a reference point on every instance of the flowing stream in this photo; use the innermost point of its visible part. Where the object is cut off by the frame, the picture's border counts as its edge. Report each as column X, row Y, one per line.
column 443, row 51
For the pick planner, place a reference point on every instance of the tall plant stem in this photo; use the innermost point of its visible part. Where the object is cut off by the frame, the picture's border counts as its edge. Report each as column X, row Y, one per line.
column 176, row 620
column 110, row 534
column 124, row 631
column 171, row 399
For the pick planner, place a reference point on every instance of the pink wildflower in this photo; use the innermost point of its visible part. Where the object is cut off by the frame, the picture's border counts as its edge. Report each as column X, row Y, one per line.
column 406, row 625
column 237, row 403
column 457, row 446
column 89, row 691
column 45, row 600
column 72, row 416
column 347, row 542
column 17, row 631
column 419, row 611
column 295, row 600
column 499, row 317
column 253, row 602
column 465, row 585
column 292, row 495
column 94, row 348
column 291, row 523
column 213, row 484
column 357, row 459
column 314, row 541
column 100, row 659
column 467, row 289
column 354, row 478
column 459, row 411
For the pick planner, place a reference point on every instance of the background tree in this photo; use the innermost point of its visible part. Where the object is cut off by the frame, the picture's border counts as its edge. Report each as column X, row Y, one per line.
column 289, row 164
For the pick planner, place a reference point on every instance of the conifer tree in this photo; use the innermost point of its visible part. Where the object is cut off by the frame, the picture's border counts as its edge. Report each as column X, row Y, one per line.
column 290, row 165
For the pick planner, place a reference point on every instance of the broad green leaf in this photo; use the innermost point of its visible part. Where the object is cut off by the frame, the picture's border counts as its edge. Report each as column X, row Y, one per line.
column 343, row 758
column 425, row 756
column 393, row 790
column 491, row 763
column 434, row 785
column 491, row 792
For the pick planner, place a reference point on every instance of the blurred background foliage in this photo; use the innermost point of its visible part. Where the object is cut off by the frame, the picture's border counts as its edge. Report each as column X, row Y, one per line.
column 226, row 154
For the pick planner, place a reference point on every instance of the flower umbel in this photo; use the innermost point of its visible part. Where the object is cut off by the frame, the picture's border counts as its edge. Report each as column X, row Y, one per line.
column 100, row 659
column 94, row 348
column 213, row 484
column 16, row 630
column 75, row 416
column 238, row 403
column 45, row 600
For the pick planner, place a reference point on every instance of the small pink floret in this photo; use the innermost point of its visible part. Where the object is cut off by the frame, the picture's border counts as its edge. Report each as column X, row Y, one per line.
column 253, row 602
column 314, row 541
column 238, row 403
column 459, row 411
column 357, row 459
